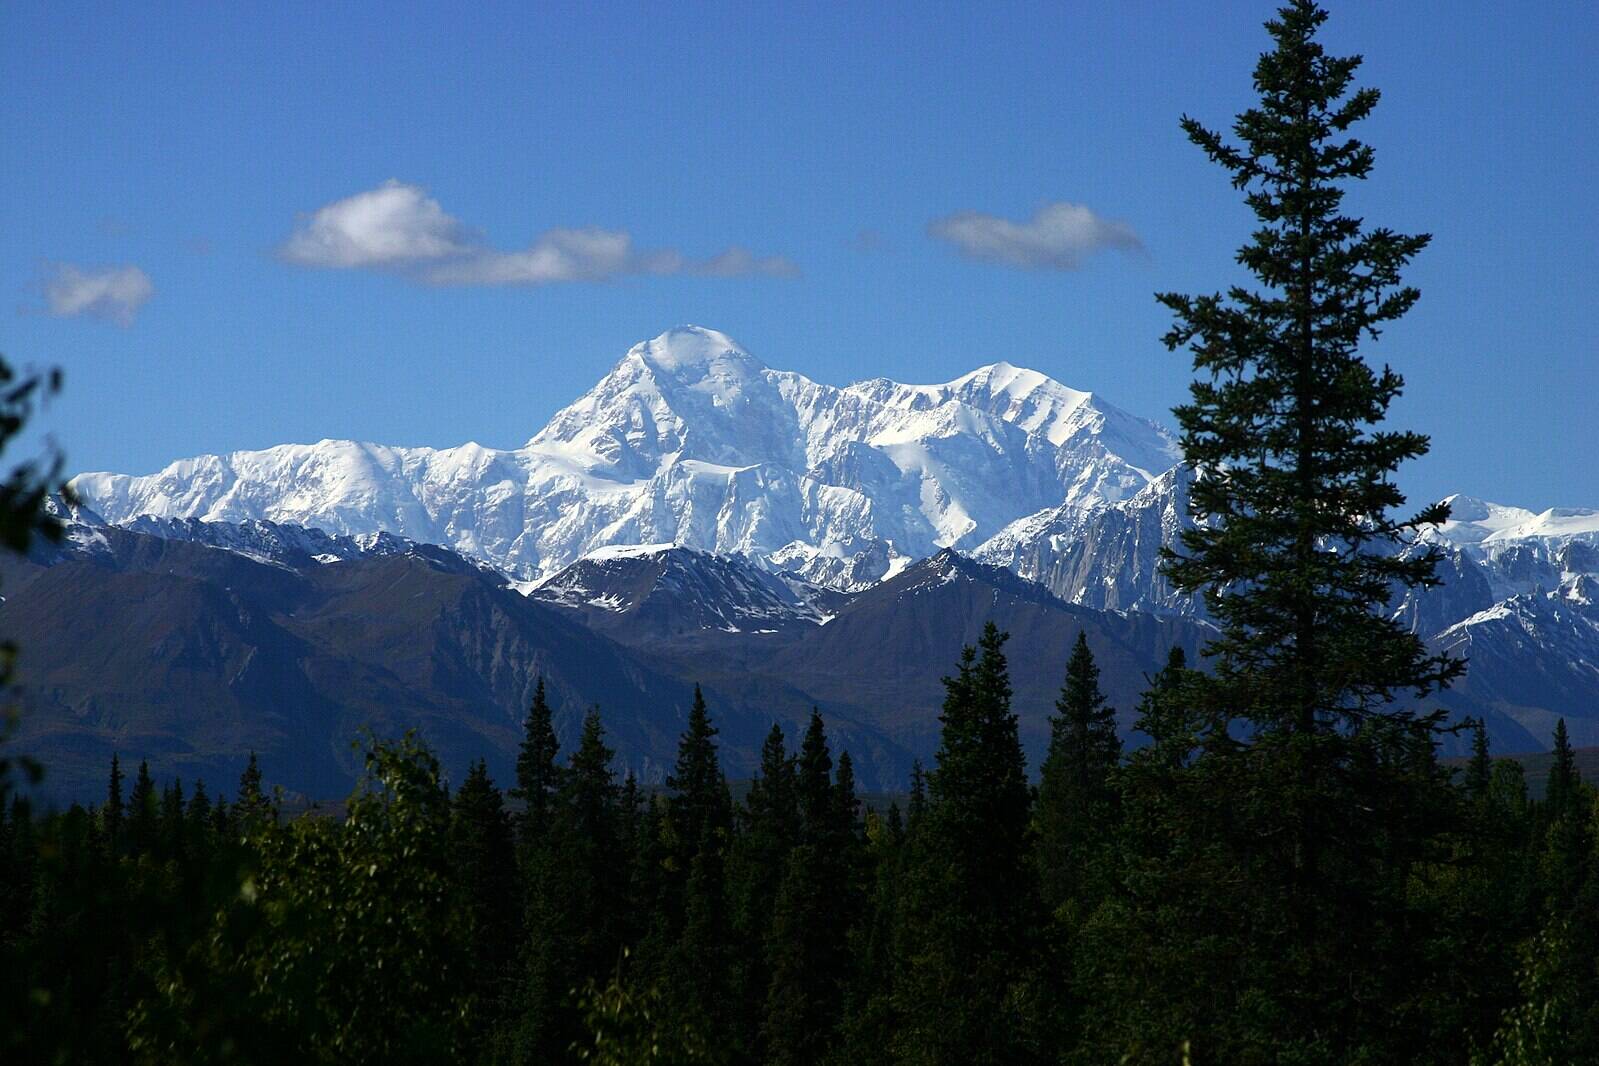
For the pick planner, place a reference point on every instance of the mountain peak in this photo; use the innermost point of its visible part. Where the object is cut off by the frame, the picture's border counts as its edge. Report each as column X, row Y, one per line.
column 692, row 440
column 688, row 348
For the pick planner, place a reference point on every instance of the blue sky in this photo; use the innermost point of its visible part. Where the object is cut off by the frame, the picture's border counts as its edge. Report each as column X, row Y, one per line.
column 804, row 177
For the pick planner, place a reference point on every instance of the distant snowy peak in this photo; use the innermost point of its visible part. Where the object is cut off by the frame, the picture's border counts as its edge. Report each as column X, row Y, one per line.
column 670, row 591
column 1105, row 557
column 690, row 439
column 1478, row 522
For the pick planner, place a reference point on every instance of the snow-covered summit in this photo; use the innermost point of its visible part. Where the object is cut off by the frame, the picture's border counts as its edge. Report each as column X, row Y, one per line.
column 1479, row 522
column 691, row 440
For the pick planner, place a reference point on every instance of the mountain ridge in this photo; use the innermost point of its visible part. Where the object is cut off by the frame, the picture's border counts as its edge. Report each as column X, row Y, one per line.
column 689, row 438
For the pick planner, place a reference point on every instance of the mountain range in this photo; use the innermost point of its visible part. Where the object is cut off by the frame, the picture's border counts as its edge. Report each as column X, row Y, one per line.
column 691, row 440
column 700, row 517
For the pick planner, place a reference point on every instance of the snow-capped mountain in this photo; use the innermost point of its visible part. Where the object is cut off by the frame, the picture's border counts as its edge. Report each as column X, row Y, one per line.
column 1106, row 556
column 1516, row 597
column 1533, row 657
column 85, row 533
column 692, row 440
column 654, row 592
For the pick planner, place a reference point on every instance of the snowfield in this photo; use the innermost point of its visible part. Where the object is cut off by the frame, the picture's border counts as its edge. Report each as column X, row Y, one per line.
column 691, row 440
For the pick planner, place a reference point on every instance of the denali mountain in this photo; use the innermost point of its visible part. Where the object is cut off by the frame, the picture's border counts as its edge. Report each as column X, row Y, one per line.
column 691, row 440
column 699, row 510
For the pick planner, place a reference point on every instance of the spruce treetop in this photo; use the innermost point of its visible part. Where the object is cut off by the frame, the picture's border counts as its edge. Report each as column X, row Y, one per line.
column 1295, row 545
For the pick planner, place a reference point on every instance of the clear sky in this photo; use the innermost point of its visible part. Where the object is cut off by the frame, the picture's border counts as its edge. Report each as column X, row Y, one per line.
column 238, row 225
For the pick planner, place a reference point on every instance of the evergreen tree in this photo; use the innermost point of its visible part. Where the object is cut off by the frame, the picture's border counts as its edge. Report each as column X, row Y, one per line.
column 635, row 828
column 483, row 855
column 224, row 827
column 171, row 831
column 1479, row 772
column 537, row 776
column 252, row 809
column 575, row 878
column 197, row 822
column 1328, row 784
column 970, row 907
column 590, row 853
column 700, row 808
column 813, row 912
column 143, row 817
column 1567, row 860
column 869, row 1021
column 112, row 813
column 847, row 800
column 697, row 827
column 1075, row 797
column 1166, row 718
column 1561, row 791
column 769, row 831
column 916, row 802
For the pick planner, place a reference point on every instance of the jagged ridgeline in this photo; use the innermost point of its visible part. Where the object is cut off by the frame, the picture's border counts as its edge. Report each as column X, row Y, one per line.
column 692, row 440
column 695, row 516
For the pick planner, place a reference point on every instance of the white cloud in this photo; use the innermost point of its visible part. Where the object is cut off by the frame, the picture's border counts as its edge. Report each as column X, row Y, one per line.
column 392, row 225
column 399, row 227
column 1059, row 236
column 736, row 261
column 559, row 255
column 111, row 294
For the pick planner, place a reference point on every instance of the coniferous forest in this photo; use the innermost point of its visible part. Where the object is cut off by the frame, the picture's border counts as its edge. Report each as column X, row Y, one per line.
column 1275, row 867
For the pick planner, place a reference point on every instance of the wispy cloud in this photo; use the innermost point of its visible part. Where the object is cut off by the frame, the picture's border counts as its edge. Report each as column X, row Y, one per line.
column 110, row 294
column 1059, row 236
column 400, row 228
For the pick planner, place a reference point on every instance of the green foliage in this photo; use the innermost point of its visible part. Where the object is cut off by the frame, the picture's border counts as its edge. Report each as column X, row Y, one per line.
column 626, row 1026
column 769, row 829
column 1292, row 799
column 815, row 907
column 969, row 907
column 576, row 888
column 1537, row 1030
column 346, row 943
column 483, row 856
column 253, row 809
column 1075, row 790
column 537, row 776
column 1560, row 794
column 23, row 517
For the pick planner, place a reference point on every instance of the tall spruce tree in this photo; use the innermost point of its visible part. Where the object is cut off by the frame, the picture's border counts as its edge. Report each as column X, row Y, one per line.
column 701, row 808
column 112, row 812
column 589, row 852
column 170, row 831
column 143, row 814
column 813, row 912
column 1328, row 780
column 198, row 821
column 1075, row 794
column 483, row 854
column 699, row 959
column 769, row 831
column 575, row 878
column 537, row 775
column 1561, row 791
column 966, row 954
column 1479, row 772
column 253, row 810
